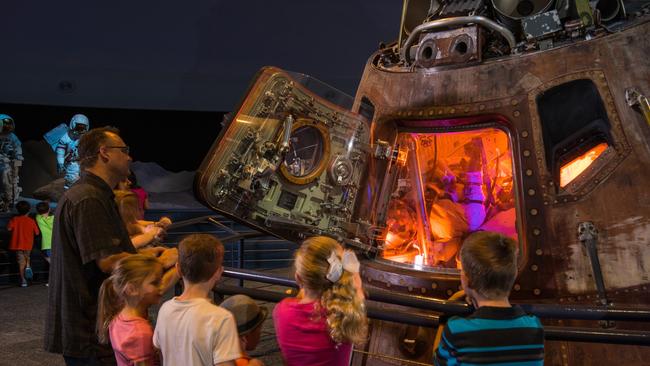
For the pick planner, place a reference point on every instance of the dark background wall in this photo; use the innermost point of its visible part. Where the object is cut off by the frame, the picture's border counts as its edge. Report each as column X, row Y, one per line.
column 195, row 55
column 165, row 71
column 177, row 140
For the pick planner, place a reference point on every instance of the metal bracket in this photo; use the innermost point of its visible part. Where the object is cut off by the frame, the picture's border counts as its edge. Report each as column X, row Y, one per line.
column 588, row 236
column 634, row 98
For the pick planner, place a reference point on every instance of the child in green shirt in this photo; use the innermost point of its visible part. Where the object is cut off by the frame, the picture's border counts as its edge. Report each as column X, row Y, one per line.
column 45, row 223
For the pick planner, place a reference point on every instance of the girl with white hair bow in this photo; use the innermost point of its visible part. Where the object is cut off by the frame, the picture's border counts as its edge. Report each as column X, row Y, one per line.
column 320, row 326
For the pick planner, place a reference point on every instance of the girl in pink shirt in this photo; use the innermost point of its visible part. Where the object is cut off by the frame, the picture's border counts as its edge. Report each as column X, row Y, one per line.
column 124, row 301
column 320, row 325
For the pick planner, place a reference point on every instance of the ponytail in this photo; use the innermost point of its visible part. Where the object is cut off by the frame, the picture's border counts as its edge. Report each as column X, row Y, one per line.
column 110, row 304
column 343, row 307
column 133, row 269
column 346, row 311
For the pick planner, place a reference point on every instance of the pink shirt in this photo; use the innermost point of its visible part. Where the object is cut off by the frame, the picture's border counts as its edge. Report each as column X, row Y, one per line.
column 132, row 341
column 142, row 197
column 304, row 339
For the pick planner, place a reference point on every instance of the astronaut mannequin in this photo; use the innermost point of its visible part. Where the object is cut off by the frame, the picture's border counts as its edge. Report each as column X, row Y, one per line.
column 66, row 149
column 463, row 209
column 11, row 158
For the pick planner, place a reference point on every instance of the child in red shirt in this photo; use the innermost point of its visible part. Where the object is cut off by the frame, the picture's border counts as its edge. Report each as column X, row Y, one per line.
column 23, row 229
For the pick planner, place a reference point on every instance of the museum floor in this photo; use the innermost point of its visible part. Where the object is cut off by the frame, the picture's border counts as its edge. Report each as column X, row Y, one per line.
column 22, row 316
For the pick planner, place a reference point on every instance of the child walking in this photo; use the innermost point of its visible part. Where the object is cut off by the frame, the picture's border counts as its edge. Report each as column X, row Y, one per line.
column 497, row 332
column 23, row 229
column 320, row 326
column 124, row 300
column 45, row 223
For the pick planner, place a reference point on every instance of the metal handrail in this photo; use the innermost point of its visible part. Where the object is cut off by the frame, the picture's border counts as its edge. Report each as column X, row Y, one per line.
column 551, row 333
column 188, row 222
column 373, row 311
column 447, row 307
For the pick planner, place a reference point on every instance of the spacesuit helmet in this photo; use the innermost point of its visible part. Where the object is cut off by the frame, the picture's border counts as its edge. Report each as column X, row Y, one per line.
column 79, row 124
column 7, row 124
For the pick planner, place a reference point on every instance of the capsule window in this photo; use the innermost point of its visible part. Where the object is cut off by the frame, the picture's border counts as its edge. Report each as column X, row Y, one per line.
column 449, row 184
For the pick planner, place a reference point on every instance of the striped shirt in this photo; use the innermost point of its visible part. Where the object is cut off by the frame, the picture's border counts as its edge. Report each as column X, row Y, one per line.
column 492, row 336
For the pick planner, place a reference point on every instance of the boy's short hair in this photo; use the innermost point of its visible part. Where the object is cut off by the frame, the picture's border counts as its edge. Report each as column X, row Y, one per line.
column 42, row 208
column 489, row 261
column 23, row 207
column 199, row 257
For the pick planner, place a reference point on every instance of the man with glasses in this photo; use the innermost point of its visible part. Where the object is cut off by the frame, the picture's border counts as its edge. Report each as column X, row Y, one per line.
column 89, row 238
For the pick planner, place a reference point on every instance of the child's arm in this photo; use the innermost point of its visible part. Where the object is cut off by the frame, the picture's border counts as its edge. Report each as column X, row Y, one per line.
column 146, row 237
column 169, row 279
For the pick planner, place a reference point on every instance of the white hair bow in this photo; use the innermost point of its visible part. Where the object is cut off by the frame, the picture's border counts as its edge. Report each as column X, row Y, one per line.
column 350, row 263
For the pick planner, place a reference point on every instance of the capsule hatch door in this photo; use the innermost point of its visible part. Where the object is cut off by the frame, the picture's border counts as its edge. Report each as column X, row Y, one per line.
column 290, row 161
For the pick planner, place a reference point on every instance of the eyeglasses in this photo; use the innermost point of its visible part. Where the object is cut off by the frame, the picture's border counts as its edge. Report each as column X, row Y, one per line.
column 124, row 149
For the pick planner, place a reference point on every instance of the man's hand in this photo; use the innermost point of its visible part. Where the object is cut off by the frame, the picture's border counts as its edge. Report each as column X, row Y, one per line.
column 169, row 257
column 107, row 264
column 164, row 222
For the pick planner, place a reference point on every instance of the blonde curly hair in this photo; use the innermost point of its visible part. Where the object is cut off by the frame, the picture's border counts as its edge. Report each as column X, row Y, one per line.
column 344, row 308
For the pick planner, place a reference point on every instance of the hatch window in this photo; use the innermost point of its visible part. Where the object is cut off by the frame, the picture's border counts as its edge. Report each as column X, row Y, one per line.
column 576, row 129
column 450, row 185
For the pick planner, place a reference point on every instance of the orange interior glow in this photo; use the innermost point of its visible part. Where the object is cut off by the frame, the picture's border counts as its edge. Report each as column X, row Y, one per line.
column 575, row 167
column 450, row 185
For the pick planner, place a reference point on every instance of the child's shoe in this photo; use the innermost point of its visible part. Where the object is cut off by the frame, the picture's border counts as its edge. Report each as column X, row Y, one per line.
column 24, row 284
column 29, row 274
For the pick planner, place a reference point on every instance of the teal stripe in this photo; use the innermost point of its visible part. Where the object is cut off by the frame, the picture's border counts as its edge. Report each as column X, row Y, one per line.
column 442, row 350
column 461, row 325
column 518, row 363
column 502, row 348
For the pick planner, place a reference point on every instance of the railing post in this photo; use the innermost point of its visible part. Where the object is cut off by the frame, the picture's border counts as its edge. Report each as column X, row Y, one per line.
column 240, row 264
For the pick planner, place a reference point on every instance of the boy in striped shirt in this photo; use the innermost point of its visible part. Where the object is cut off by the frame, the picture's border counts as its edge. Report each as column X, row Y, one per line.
column 497, row 333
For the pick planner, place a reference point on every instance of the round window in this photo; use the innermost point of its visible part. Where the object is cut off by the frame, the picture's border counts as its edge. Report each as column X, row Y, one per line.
column 306, row 150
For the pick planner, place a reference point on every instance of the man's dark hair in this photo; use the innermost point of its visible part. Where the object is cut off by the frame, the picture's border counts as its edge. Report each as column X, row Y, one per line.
column 90, row 143
column 199, row 256
column 42, row 207
column 489, row 261
column 133, row 179
column 23, row 207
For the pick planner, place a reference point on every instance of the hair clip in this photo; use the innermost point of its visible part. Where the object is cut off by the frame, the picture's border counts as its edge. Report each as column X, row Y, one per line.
column 350, row 262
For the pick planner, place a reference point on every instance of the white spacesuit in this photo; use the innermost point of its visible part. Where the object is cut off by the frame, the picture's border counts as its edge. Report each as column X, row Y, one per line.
column 11, row 158
column 66, row 147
